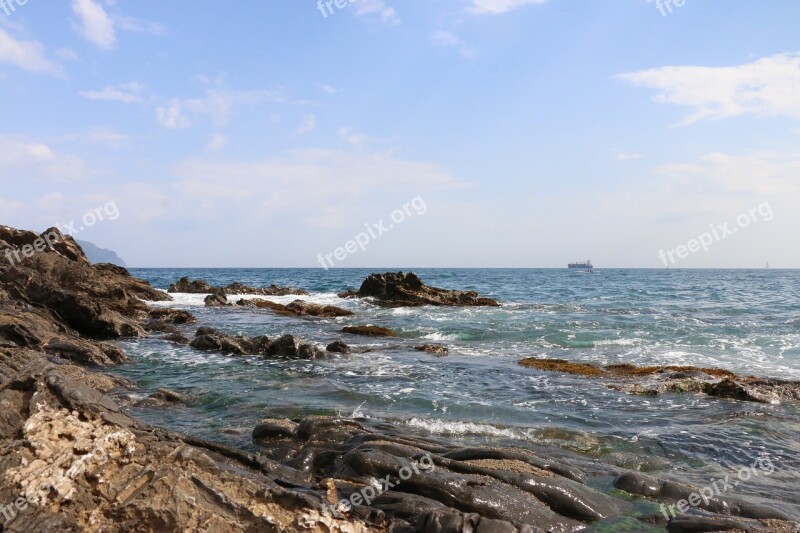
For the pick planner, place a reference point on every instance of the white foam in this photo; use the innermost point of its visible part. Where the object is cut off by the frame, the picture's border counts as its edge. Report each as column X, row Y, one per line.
column 459, row 428
column 181, row 299
column 439, row 336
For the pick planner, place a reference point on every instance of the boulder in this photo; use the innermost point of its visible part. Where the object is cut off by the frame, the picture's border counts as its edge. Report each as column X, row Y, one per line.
column 338, row 347
column 297, row 308
column 435, row 349
column 407, row 290
column 369, row 331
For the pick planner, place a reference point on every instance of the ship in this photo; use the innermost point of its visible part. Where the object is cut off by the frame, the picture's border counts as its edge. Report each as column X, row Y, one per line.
column 583, row 265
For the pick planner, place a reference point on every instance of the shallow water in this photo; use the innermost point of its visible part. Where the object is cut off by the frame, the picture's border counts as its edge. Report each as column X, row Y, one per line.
column 744, row 321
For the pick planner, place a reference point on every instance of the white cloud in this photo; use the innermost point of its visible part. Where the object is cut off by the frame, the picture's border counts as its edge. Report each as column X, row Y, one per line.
column 27, row 55
column 305, row 184
column 446, row 39
column 768, row 87
column 379, row 9
column 217, row 104
column 217, row 142
column 307, row 125
column 627, row 156
column 499, row 6
column 100, row 27
column 95, row 24
column 67, row 54
column 330, row 89
column 101, row 137
column 23, row 159
column 127, row 93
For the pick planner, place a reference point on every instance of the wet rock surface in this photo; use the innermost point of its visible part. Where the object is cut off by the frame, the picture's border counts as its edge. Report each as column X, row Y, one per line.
column 297, row 308
column 655, row 380
column 369, row 331
column 285, row 347
column 438, row 350
column 185, row 285
column 407, row 290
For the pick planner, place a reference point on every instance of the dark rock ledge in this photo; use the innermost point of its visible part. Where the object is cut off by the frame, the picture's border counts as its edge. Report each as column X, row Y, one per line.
column 184, row 285
column 407, row 290
column 655, row 380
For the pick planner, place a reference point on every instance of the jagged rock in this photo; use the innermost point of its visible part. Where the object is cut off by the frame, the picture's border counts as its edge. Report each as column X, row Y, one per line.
column 71, row 460
column 177, row 338
column 217, row 298
column 184, row 285
column 338, row 347
column 211, row 340
column 406, row 290
column 436, row 349
column 369, row 331
column 290, row 347
column 162, row 398
column 159, row 326
column 297, row 308
column 172, row 316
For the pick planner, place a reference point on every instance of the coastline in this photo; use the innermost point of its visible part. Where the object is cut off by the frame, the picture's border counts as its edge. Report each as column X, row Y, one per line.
column 124, row 474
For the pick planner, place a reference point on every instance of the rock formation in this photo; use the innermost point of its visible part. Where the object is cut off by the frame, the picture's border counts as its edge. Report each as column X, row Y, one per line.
column 407, row 290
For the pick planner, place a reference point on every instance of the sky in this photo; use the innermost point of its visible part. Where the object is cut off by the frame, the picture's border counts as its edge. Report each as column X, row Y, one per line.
column 435, row 133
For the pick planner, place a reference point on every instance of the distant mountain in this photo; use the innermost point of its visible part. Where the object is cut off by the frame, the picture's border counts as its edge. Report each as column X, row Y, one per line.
column 100, row 255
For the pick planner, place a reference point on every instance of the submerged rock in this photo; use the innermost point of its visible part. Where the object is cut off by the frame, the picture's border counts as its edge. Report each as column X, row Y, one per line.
column 369, row 331
column 285, row 347
column 407, row 290
column 338, row 347
column 436, row 349
column 655, row 380
column 185, row 285
column 297, row 308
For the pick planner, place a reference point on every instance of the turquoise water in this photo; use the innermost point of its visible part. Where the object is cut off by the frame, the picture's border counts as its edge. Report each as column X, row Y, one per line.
column 745, row 321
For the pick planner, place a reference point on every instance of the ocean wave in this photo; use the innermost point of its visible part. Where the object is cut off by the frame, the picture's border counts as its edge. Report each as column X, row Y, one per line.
column 461, row 428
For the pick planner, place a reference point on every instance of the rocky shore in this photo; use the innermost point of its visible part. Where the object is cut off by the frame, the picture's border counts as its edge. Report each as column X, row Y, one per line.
column 73, row 459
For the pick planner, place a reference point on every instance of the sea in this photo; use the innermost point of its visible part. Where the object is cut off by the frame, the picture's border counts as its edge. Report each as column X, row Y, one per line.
column 746, row 321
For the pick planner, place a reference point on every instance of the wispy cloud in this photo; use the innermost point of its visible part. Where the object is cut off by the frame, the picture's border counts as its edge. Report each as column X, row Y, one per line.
column 379, row 9
column 24, row 159
column 99, row 27
column 217, row 142
column 307, row 124
column 498, row 6
column 446, row 39
column 127, row 93
column 99, row 136
column 94, row 23
column 217, row 104
column 627, row 156
column 767, row 87
column 27, row 55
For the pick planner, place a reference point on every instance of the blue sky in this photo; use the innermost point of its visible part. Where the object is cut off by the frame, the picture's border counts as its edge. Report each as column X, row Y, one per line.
column 536, row 132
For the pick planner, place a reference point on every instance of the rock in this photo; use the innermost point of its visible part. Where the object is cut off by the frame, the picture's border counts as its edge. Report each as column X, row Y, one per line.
column 184, row 285
column 290, row 347
column 162, row 398
column 160, row 326
column 177, row 338
column 406, row 289
column 338, row 347
column 369, row 331
column 655, row 380
column 211, row 340
column 217, row 298
column 297, row 308
column 101, row 470
column 433, row 484
column 172, row 316
column 436, row 349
